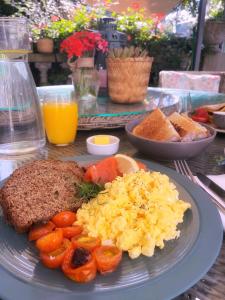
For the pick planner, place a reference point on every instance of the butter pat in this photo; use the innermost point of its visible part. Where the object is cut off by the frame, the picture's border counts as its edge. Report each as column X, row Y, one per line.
column 101, row 140
column 102, row 144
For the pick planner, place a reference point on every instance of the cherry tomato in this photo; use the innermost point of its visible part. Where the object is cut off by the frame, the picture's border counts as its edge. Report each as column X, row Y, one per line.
column 201, row 111
column 38, row 231
column 51, row 241
column 107, row 258
column 64, row 219
column 83, row 273
column 71, row 231
column 199, row 118
column 86, row 242
column 54, row 259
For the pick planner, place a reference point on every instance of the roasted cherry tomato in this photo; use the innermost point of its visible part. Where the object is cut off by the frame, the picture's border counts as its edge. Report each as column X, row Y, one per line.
column 64, row 219
column 86, row 242
column 79, row 264
column 71, row 231
column 51, row 241
column 54, row 259
column 38, row 231
column 107, row 258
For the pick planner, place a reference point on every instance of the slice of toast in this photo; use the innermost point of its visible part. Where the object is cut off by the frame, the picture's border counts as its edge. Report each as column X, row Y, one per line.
column 157, row 127
column 188, row 129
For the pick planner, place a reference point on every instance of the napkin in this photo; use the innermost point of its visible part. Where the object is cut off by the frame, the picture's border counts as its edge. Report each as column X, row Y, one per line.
column 220, row 180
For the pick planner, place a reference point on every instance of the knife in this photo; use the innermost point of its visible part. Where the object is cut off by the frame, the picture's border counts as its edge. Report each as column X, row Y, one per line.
column 211, row 185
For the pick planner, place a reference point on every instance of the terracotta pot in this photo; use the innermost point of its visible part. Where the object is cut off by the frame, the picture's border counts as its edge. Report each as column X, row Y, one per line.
column 45, row 45
column 214, row 32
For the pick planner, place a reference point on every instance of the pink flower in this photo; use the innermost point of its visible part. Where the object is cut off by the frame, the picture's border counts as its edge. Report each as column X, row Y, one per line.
column 54, row 18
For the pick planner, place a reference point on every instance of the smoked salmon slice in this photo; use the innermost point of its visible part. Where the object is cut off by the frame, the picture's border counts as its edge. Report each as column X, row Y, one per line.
column 104, row 171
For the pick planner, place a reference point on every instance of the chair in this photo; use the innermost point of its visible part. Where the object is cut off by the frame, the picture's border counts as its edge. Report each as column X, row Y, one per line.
column 191, row 80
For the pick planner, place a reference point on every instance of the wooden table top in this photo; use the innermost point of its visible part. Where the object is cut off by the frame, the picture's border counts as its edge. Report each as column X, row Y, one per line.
column 212, row 286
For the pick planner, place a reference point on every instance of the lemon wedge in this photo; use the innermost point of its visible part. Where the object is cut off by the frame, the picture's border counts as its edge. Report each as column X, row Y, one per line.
column 126, row 164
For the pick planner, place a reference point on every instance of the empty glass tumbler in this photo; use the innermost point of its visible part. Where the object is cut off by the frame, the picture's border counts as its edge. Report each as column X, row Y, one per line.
column 21, row 125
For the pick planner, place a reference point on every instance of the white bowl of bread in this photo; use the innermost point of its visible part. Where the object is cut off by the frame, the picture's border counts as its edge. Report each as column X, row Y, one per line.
column 169, row 137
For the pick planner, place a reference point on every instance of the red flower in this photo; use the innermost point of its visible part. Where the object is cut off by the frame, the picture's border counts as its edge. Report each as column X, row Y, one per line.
column 81, row 42
column 158, row 17
column 135, row 5
column 72, row 47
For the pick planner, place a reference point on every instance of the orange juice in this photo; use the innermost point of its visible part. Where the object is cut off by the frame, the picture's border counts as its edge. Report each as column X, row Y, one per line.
column 60, row 121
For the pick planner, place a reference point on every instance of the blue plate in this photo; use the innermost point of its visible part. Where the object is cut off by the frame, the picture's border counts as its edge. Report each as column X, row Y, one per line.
column 166, row 275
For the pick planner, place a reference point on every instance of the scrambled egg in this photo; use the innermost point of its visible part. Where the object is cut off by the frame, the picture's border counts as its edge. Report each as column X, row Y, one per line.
column 136, row 212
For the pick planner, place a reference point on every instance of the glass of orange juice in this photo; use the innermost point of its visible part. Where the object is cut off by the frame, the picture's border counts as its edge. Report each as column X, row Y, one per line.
column 60, row 114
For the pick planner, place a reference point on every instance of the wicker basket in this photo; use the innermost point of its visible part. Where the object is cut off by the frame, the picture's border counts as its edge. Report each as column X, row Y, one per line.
column 128, row 78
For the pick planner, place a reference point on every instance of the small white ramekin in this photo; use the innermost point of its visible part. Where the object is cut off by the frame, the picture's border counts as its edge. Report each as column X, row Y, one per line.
column 108, row 149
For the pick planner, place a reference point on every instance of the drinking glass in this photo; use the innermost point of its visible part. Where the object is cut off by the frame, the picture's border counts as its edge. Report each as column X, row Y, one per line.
column 185, row 103
column 60, row 113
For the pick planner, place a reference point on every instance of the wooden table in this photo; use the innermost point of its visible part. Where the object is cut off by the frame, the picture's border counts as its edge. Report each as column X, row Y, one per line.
column 212, row 286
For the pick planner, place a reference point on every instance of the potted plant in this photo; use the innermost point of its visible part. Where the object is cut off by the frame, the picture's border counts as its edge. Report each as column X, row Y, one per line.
column 80, row 48
column 44, row 36
column 128, row 74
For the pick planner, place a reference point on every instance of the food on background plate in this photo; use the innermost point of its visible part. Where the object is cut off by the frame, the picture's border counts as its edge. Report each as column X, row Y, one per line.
column 208, row 114
column 187, row 128
column 174, row 128
column 156, row 127
column 136, row 213
column 200, row 115
column 38, row 190
column 214, row 107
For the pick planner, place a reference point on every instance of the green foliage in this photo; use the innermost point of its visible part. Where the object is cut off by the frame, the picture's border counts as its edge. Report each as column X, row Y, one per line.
column 215, row 8
column 58, row 75
column 139, row 28
column 63, row 28
column 6, row 9
column 191, row 6
column 45, row 32
column 170, row 53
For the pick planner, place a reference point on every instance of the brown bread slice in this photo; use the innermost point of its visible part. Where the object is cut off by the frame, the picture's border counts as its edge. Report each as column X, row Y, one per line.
column 157, row 127
column 37, row 191
column 188, row 129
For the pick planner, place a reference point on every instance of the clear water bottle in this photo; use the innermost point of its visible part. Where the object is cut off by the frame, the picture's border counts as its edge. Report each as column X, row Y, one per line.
column 21, row 125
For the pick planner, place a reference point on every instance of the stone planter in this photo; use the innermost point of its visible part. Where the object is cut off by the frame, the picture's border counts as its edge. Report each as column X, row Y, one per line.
column 214, row 35
column 45, row 45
